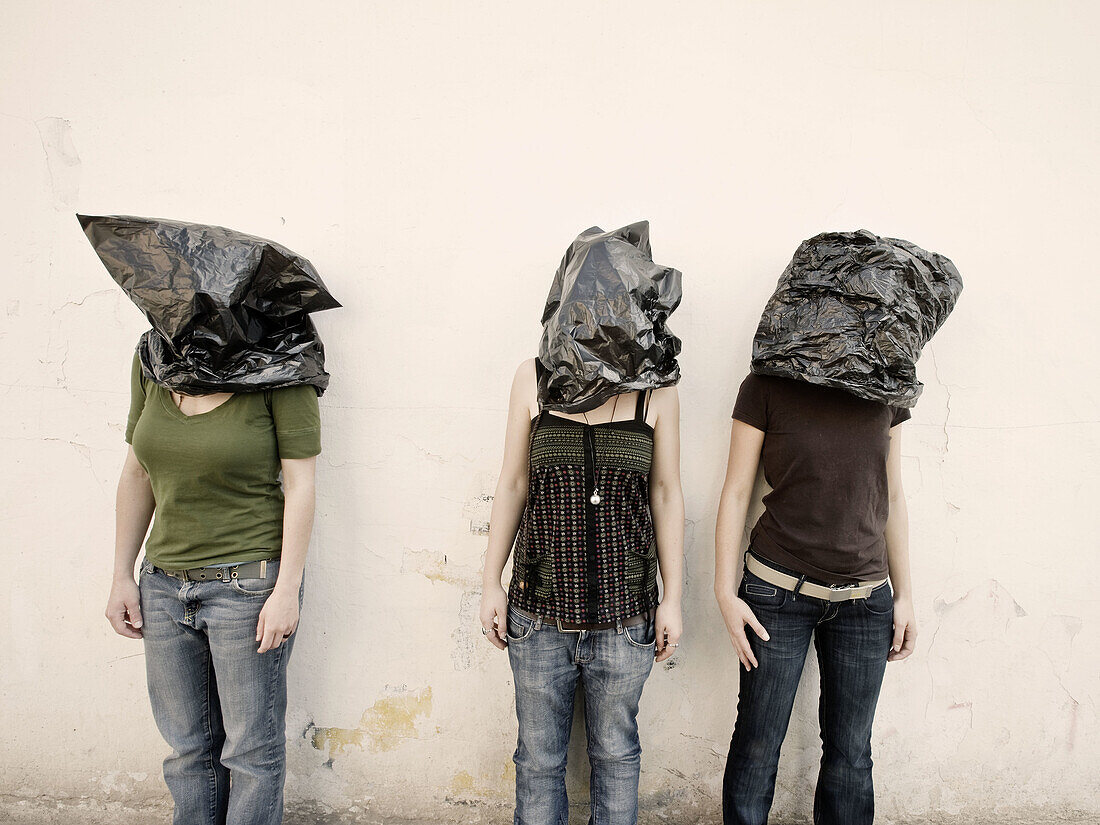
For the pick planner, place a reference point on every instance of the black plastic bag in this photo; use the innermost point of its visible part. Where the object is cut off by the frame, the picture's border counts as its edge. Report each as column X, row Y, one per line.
column 230, row 312
column 604, row 327
column 853, row 311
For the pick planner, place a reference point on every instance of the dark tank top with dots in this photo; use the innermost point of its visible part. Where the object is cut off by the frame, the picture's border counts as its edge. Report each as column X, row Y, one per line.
column 586, row 550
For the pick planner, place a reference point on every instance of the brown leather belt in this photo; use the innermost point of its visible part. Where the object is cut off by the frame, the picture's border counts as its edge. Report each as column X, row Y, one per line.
column 245, row 570
column 578, row 627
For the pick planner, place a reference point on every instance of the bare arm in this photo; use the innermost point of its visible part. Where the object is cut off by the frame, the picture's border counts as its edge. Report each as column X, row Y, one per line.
column 134, row 506
column 733, row 507
column 279, row 616
column 666, row 503
column 509, row 501
column 897, row 554
column 744, row 459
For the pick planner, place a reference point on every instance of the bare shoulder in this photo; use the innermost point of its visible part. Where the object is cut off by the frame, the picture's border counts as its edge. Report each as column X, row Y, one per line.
column 525, row 386
column 664, row 407
column 525, row 373
column 664, row 400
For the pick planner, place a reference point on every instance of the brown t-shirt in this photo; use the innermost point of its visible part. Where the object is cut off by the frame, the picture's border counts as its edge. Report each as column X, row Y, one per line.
column 824, row 457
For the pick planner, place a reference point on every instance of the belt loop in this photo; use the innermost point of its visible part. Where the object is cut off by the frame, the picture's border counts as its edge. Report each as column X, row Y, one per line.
column 797, row 587
column 538, row 623
column 619, row 626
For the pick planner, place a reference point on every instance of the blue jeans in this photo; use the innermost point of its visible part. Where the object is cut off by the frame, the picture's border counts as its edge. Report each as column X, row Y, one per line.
column 218, row 703
column 852, row 639
column 546, row 664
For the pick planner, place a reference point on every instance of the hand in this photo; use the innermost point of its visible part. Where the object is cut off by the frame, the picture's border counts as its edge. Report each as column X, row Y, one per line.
column 737, row 614
column 669, row 627
column 494, row 615
column 124, row 608
column 278, row 619
column 905, row 630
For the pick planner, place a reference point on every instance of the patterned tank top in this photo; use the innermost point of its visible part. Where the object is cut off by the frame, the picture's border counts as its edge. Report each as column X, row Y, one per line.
column 586, row 550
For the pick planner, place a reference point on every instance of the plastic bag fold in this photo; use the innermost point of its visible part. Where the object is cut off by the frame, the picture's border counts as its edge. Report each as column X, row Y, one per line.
column 604, row 325
column 853, row 310
column 229, row 311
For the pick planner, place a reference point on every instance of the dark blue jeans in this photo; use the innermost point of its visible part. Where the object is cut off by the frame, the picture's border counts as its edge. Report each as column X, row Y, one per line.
column 546, row 665
column 219, row 704
column 852, row 639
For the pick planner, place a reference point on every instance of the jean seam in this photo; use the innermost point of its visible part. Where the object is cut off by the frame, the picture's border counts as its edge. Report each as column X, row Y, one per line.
column 824, row 726
column 273, row 745
column 210, row 740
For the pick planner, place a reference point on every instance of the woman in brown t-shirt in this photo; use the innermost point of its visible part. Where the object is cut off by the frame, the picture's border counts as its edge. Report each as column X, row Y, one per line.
column 822, row 558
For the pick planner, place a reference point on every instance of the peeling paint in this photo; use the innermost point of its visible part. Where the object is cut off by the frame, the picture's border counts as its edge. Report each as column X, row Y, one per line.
column 383, row 726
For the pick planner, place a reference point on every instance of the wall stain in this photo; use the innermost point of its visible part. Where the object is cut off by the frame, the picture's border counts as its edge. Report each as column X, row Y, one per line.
column 383, row 726
column 435, row 567
column 468, row 790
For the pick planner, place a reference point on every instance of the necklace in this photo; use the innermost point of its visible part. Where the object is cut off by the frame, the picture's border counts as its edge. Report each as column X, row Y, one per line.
column 595, row 497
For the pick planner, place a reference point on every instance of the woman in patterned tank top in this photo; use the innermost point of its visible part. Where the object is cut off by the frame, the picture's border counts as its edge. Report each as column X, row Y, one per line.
column 593, row 505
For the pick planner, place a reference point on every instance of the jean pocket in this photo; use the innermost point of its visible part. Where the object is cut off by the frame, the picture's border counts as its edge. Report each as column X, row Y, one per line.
column 641, row 635
column 253, row 587
column 881, row 600
column 519, row 626
column 760, row 593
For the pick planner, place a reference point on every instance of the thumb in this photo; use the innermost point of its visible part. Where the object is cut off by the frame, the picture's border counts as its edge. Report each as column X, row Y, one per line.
column 133, row 610
column 899, row 637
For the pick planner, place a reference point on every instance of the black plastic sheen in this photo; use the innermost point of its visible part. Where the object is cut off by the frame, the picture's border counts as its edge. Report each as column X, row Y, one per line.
column 230, row 312
column 853, row 310
column 604, row 327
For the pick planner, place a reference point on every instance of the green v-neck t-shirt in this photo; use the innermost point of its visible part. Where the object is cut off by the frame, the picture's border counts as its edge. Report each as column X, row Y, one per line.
column 215, row 475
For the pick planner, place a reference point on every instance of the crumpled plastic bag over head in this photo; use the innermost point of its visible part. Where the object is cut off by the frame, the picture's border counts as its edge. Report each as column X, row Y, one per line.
column 603, row 329
column 853, row 311
column 230, row 312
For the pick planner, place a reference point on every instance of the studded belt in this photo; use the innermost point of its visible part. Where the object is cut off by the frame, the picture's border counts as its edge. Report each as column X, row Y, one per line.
column 245, row 570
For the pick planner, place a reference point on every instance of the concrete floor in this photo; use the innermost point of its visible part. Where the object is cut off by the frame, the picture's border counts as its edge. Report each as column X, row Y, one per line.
column 15, row 811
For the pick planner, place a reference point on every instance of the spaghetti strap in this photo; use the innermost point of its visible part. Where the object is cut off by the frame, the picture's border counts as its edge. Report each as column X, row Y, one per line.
column 641, row 408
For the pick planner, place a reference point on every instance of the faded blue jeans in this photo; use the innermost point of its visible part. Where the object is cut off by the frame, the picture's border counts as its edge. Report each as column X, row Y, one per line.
column 218, row 703
column 546, row 664
column 852, row 639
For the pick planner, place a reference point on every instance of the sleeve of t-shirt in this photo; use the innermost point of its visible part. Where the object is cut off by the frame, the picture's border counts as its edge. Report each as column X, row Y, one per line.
column 752, row 402
column 137, row 398
column 900, row 414
column 297, row 421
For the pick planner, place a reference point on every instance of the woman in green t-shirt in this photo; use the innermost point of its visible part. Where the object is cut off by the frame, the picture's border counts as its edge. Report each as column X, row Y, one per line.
column 218, row 597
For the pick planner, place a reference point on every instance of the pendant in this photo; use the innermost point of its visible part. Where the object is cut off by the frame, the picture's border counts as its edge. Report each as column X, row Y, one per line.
column 595, row 498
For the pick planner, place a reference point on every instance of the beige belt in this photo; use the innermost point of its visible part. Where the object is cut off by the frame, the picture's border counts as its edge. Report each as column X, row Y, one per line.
column 829, row 593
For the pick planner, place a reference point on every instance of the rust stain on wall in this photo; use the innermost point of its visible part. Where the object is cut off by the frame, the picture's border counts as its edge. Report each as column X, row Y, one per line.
column 382, row 727
column 435, row 567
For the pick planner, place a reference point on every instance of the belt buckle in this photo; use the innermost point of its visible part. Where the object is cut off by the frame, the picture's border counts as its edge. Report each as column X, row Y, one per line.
column 836, row 588
column 564, row 630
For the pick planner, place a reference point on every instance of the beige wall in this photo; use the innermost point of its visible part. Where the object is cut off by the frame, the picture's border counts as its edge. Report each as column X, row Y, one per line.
column 434, row 160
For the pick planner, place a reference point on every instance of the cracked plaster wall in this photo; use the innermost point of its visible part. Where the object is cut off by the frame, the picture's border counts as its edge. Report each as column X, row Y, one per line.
column 434, row 160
